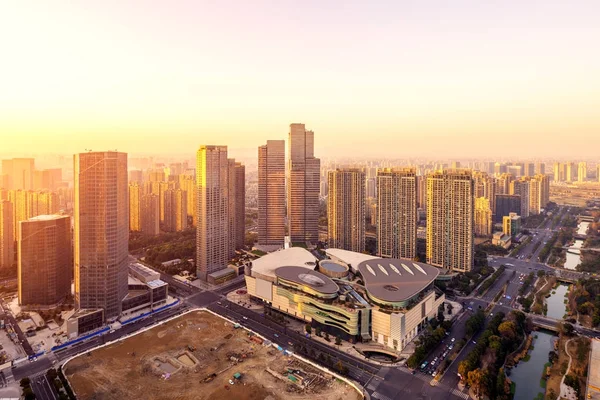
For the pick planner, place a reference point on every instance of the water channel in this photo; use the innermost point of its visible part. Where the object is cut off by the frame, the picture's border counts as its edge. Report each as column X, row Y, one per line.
column 527, row 375
column 574, row 255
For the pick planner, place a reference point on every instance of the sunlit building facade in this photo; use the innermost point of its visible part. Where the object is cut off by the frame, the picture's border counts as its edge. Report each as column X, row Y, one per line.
column 483, row 217
column 582, row 171
column 271, row 193
column 346, row 209
column 450, row 219
column 7, row 238
column 397, row 212
column 212, row 233
column 150, row 214
column 134, row 207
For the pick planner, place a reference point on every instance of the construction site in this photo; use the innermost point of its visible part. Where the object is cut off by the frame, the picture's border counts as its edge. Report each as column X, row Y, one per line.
column 199, row 356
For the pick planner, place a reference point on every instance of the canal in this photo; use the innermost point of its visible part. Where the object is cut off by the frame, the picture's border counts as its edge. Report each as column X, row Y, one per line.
column 574, row 254
column 527, row 375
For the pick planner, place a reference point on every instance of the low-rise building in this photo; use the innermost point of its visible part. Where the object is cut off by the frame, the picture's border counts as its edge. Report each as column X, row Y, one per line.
column 501, row 239
column 511, row 224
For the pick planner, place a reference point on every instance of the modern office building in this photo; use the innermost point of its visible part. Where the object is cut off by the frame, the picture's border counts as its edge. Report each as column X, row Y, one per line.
column 397, row 212
column 483, row 217
column 134, row 208
column 346, row 209
column 45, row 261
column 176, row 215
column 271, row 193
column 511, row 224
column 391, row 308
column 19, row 173
column 212, row 232
column 101, row 223
column 571, row 172
column 150, row 214
column 237, row 204
column 506, row 204
column 450, row 212
column 7, row 238
column 582, row 171
column 303, row 186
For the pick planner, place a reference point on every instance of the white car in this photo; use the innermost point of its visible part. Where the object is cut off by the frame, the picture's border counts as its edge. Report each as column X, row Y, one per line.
column 231, row 382
column 452, row 340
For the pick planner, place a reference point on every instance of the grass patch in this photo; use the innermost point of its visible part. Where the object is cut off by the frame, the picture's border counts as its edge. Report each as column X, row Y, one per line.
column 257, row 252
column 540, row 396
column 513, row 388
column 526, row 358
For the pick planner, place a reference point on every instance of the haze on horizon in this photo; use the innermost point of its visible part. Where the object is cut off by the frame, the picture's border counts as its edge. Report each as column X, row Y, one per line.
column 392, row 79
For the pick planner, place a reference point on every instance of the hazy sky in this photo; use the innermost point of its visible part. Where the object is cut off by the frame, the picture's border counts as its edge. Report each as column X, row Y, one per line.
column 383, row 77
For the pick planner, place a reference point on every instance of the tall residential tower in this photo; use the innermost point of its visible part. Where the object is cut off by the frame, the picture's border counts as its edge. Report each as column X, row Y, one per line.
column 271, row 193
column 346, row 209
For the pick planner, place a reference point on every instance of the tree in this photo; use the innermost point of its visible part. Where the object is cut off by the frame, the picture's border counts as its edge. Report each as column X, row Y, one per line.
column 25, row 382
column 476, row 379
column 28, row 393
column 449, row 307
column 327, row 336
column 338, row 341
column 341, row 368
column 567, row 329
column 464, row 367
column 318, row 331
column 308, row 328
column 508, row 330
column 541, row 273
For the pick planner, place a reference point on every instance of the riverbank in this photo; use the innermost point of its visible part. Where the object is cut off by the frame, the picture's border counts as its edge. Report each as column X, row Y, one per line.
column 579, row 348
column 543, row 288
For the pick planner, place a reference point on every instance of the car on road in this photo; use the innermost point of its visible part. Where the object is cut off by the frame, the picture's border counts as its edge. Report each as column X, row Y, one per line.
column 245, row 317
column 231, row 382
column 452, row 340
column 276, row 335
column 474, row 342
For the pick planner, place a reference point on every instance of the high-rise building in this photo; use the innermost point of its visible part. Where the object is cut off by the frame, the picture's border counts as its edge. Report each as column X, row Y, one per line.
column 450, row 222
column 19, row 173
column 571, row 172
column 239, row 209
column 521, row 188
column 540, row 168
column 136, row 176
column 421, row 191
column 485, row 186
column 7, row 238
column 45, row 260
column 134, row 207
column 506, row 204
column 511, row 224
column 175, row 210
column 188, row 183
column 598, row 172
column 397, row 212
column 271, row 193
column 528, row 169
column 539, row 193
column 303, row 186
column 101, row 231
column 483, row 217
column 212, row 232
column 503, row 183
column 582, row 171
column 346, row 209
column 515, row 170
column 150, row 214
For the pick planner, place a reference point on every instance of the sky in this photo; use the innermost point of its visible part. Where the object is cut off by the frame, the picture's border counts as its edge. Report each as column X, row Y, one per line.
column 383, row 78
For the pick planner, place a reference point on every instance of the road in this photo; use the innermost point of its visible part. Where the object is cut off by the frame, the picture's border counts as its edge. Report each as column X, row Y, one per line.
column 9, row 318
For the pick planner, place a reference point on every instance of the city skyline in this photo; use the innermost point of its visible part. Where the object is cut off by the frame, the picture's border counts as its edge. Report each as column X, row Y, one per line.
column 428, row 78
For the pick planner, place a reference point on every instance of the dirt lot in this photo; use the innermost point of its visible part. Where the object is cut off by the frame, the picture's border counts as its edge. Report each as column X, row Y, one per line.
column 158, row 364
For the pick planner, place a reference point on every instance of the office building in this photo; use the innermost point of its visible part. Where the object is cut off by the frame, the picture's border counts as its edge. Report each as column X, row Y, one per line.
column 506, row 204
column 346, row 209
column 391, row 308
column 397, row 212
column 45, row 261
column 237, row 204
column 483, row 217
column 212, row 232
column 528, row 169
column 134, row 207
column 149, row 214
column 271, row 193
column 7, row 238
column 175, row 201
column 598, row 172
column 303, row 186
column 511, row 224
column 450, row 221
column 101, row 234
column 19, row 173
column 582, row 172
